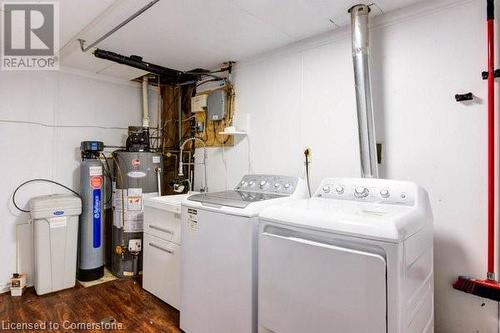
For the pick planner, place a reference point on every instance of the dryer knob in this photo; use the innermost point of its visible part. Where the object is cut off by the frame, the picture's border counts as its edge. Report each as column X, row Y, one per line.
column 326, row 189
column 384, row 193
column 263, row 183
column 361, row 192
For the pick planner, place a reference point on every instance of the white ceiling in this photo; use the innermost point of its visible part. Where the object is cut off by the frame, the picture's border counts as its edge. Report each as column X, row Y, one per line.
column 187, row 34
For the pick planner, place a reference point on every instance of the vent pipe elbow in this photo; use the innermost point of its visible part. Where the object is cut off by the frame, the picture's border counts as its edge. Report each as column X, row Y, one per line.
column 364, row 104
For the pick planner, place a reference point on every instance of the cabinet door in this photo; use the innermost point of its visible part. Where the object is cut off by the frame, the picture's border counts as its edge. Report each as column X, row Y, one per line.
column 163, row 224
column 161, row 270
column 310, row 286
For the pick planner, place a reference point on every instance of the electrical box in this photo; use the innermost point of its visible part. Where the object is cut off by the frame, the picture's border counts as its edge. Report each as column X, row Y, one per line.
column 199, row 103
column 216, row 105
column 135, row 245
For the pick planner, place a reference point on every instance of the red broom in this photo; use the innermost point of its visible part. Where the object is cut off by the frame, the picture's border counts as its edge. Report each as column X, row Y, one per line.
column 488, row 288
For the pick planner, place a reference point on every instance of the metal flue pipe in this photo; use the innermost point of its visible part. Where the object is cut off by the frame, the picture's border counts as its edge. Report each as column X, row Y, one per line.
column 361, row 60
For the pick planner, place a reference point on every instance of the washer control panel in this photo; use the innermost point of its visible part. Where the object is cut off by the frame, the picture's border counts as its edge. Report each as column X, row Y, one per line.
column 282, row 185
column 368, row 190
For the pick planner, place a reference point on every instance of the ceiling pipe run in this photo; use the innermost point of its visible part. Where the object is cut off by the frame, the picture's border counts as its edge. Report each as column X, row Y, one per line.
column 361, row 60
column 167, row 75
column 115, row 29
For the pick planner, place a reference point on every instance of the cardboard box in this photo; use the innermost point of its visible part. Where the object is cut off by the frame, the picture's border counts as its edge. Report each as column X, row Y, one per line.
column 17, row 284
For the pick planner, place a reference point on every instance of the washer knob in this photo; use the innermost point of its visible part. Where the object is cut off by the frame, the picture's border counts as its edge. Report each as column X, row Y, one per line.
column 277, row 185
column 251, row 183
column 361, row 192
column 263, row 183
column 384, row 193
column 326, row 189
column 287, row 185
column 339, row 189
column 244, row 183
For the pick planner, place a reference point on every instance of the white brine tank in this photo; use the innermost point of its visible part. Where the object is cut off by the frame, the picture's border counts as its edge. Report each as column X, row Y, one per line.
column 55, row 241
column 357, row 257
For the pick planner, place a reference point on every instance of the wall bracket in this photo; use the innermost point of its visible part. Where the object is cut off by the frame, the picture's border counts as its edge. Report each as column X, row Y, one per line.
column 485, row 74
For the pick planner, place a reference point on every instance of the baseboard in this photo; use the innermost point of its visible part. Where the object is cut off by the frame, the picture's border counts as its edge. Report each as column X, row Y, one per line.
column 4, row 288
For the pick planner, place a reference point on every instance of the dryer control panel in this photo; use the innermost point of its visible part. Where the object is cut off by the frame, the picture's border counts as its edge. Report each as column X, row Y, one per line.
column 369, row 190
column 272, row 184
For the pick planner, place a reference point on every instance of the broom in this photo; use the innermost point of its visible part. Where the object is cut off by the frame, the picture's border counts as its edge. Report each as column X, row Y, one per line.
column 488, row 288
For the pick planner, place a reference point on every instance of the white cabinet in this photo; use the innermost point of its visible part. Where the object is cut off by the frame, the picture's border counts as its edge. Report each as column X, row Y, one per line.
column 162, row 247
column 162, row 224
column 162, row 269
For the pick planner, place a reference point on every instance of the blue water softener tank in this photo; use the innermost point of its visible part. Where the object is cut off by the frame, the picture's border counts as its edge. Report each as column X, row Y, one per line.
column 91, row 229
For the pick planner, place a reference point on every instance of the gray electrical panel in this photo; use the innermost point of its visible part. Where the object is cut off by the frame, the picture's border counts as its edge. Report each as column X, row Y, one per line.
column 216, row 105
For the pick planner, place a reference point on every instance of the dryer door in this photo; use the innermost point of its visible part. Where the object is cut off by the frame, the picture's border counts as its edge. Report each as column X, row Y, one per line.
column 310, row 286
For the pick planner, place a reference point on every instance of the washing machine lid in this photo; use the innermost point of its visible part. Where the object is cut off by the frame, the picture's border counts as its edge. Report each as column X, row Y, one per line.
column 233, row 198
column 251, row 195
column 365, row 220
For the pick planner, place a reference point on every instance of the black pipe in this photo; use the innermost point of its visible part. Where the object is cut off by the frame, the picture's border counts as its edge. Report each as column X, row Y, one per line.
column 167, row 75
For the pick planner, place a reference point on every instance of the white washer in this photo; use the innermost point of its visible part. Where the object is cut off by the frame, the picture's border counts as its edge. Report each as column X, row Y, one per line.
column 357, row 257
column 219, row 253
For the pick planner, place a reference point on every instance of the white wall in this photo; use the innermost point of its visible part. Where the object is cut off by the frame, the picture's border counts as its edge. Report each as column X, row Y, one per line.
column 303, row 95
column 43, row 118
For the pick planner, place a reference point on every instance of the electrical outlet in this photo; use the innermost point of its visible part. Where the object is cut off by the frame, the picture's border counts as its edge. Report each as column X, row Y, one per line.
column 199, row 127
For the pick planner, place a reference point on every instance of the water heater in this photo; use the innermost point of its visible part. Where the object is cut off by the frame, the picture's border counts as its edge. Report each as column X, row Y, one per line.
column 137, row 176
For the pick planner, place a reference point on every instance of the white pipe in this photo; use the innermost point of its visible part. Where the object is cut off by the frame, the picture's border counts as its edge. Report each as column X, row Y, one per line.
column 158, row 175
column 181, row 164
column 361, row 59
column 145, row 102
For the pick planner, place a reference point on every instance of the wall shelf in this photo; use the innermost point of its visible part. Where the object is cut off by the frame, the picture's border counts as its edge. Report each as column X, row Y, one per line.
column 240, row 133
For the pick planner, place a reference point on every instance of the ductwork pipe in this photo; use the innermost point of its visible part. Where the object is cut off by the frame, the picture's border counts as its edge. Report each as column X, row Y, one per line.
column 366, row 124
column 145, row 102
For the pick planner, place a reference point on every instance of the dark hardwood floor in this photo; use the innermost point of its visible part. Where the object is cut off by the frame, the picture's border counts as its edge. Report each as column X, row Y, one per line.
column 118, row 302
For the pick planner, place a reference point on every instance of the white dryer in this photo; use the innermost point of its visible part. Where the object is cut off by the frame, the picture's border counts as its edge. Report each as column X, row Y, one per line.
column 219, row 253
column 357, row 257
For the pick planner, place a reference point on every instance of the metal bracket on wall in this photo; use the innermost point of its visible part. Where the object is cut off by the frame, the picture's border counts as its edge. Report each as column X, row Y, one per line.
column 496, row 73
column 464, row 97
column 380, row 147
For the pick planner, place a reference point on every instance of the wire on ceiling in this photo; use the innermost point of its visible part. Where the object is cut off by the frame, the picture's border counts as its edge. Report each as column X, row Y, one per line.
column 60, row 126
